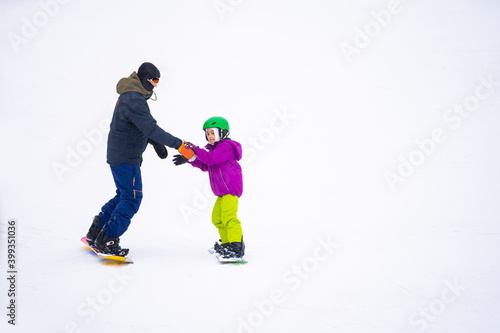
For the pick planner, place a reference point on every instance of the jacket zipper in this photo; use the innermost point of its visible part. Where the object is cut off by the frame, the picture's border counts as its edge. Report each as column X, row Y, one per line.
column 223, row 179
column 211, row 176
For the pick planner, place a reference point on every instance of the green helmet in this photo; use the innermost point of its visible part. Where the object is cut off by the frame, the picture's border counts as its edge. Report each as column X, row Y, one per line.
column 220, row 123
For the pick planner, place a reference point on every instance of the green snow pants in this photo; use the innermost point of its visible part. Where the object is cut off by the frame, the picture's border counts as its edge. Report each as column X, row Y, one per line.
column 225, row 220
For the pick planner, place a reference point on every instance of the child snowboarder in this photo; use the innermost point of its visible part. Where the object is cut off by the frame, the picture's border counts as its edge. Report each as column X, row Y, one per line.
column 226, row 180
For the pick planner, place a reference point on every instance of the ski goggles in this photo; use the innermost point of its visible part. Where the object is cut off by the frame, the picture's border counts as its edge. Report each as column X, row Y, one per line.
column 154, row 81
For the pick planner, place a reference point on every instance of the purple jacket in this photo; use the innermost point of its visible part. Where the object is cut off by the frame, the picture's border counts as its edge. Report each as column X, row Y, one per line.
column 221, row 162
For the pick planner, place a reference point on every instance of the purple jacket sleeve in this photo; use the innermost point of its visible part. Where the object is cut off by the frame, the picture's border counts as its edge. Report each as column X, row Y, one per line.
column 223, row 153
column 199, row 164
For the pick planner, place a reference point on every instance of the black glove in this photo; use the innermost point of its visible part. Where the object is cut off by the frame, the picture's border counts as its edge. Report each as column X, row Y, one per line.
column 179, row 159
column 160, row 149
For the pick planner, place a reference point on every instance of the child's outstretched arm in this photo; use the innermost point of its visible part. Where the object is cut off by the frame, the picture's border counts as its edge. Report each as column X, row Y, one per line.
column 223, row 153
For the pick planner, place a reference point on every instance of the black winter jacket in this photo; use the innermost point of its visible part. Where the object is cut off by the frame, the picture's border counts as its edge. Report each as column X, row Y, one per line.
column 132, row 125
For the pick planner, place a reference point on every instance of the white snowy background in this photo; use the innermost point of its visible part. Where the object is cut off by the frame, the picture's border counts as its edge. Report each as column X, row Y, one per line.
column 371, row 165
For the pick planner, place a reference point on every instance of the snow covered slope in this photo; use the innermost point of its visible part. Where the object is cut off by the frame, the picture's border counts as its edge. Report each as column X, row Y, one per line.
column 370, row 133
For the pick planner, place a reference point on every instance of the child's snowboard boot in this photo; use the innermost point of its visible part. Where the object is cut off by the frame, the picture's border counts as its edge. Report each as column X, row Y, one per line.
column 218, row 247
column 233, row 250
column 108, row 245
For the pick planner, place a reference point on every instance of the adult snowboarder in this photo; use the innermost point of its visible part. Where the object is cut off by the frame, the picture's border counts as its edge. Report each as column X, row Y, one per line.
column 132, row 128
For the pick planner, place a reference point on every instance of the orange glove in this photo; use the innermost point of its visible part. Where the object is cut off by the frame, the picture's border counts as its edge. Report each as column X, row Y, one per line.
column 186, row 152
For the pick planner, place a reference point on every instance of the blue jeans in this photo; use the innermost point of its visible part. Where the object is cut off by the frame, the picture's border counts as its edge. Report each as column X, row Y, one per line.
column 118, row 212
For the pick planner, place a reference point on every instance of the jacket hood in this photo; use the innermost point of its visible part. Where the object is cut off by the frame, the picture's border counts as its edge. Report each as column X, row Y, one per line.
column 238, row 151
column 132, row 83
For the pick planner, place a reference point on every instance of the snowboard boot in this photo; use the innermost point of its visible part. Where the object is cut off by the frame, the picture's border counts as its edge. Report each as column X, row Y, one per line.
column 108, row 245
column 233, row 250
column 219, row 247
column 93, row 230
